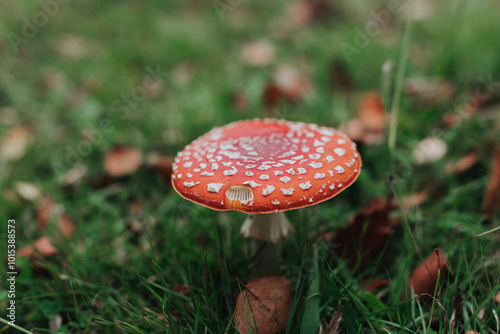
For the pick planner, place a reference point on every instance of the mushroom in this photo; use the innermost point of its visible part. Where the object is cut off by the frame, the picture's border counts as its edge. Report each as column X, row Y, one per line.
column 264, row 167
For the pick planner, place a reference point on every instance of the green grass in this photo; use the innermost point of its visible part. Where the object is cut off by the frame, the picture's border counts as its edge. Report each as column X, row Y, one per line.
column 107, row 278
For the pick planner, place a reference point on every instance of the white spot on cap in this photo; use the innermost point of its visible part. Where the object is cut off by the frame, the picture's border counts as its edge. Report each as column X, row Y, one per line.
column 285, row 179
column 319, row 175
column 190, row 184
column 187, row 164
column 203, row 166
column 228, row 172
column 331, row 173
column 189, row 175
column 318, row 143
column 339, row 151
column 298, row 157
column 196, row 170
column 215, row 166
column 269, row 189
column 179, row 176
column 315, row 156
column 205, row 173
column 310, row 200
column 226, row 163
column 214, row 187
column 218, row 158
column 315, row 164
column 250, row 166
column 264, row 167
column 305, row 186
column 332, row 186
column 329, row 158
column 301, row 170
column 275, row 202
column 340, row 169
column 341, row 141
column 320, row 149
column 305, row 149
column 291, row 171
column 278, row 172
column 287, row 192
column 252, row 184
column 264, row 177
column 249, row 174
column 340, row 185
column 326, row 139
column 279, row 164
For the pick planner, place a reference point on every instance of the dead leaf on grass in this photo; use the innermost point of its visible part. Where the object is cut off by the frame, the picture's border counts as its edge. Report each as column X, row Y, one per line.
column 258, row 53
column 122, row 160
column 491, row 202
column 48, row 210
column 160, row 164
column 429, row 91
column 292, row 84
column 429, row 150
column 463, row 164
column 424, row 278
column 43, row 246
column 367, row 232
column 28, row 191
column 263, row 305
column 15, row 143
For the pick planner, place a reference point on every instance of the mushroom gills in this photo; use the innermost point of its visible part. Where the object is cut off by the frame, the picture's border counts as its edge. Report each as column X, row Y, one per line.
column 266, row 227
column 239, row 193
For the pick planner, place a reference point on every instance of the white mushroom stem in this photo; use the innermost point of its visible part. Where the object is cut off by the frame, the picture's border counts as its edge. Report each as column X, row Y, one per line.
column 268, row 227
column 266, row 230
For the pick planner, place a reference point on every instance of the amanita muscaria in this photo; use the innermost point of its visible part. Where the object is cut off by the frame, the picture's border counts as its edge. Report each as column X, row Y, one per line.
column 264, row 167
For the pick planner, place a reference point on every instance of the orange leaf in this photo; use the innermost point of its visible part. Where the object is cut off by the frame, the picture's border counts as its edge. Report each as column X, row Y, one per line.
column 491, row 201
column 42, row 245
column 122, row 160
column 424, row 278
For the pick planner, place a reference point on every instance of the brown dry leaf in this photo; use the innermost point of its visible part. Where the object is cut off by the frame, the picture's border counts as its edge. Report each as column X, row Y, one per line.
column 183, row 289
column 264, row 302
column 339, row 77
column 42, row 245
column 271, row 96
column 292, row 84
column 471, row 332
column 491, row 202
column 160, row 164
column 258, row 53
column 430, row 91
column 72, row 46
column 497, row 297
column 122, row 160
column 15, row 143
column 48, row 210
column 376, row 284
column 334, row 324
column 463, row 164
column 424, row 278
column 303, row 12
column 240, row 101
column 357, row 239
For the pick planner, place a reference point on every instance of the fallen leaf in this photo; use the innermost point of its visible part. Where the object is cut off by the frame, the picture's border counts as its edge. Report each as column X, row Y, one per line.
column 429, row 91
column 292, row 84
column 376, row 284
column 43, row 246
column 48, row 210
column 424, row 278
column 429, row 150
column 72, row 46
column 55, row 323
column 258, row 53
column 471, row 332
column 491, row 202
column 122, row 160
column 497, row 297
column 183, row 289
column 367, row 232
column 334, row 324
column 463, row 164
column 303, row 12
column 263, row 305
column 74, row 175
column 271, row 96
column 339, row 77
column 160, row 164
column 28, row 191
column 240, row 101
column 15, row 143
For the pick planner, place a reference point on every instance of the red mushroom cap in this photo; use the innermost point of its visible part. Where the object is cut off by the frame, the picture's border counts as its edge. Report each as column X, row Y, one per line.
column 266, row 165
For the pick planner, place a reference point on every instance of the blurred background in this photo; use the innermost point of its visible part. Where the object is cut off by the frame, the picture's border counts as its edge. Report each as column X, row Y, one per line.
column 97, row 97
